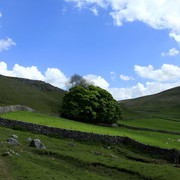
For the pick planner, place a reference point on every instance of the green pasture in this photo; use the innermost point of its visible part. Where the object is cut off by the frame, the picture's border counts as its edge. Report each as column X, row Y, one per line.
column 147, row 137
column 153, row 123
column 85, row 161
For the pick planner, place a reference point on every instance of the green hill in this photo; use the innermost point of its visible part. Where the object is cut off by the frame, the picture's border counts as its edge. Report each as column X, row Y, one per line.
column 166, row 102
column 38, row 95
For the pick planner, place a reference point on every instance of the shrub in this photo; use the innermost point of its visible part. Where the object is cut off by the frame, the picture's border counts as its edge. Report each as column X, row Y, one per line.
column 93, row 105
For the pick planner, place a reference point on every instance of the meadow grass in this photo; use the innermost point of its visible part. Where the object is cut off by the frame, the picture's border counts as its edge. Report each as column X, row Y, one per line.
column 147, row 137
column 88, row 160
column 153, row 123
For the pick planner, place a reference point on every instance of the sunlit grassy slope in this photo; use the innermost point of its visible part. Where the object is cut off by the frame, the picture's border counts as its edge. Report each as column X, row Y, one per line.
column 147, row 137
column 85, row 161
column 166, row 103
column 153, row 123
column 36, row 94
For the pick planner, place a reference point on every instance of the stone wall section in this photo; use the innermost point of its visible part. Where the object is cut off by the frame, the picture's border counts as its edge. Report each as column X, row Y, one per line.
column 12, row 108
column 172, row 155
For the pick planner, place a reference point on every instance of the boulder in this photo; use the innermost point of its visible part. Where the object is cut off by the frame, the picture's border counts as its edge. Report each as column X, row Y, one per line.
column 12, row 141
column 37, row 144
column 14, row 136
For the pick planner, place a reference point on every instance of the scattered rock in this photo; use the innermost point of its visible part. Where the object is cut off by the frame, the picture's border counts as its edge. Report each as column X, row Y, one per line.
column 109, row 147
column 116, row 157
column 12, row 141
column 37, row 144
column 115, row 125
column 14, row 136
column 98, row 153
column 10, row 153
column 29, row 139
column 71, row 144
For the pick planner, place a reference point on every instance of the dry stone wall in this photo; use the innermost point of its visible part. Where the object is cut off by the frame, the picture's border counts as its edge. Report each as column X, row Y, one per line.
column 169, row 154
column 6, row 109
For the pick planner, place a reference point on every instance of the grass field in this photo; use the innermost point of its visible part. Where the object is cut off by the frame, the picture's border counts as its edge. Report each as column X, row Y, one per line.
column 153, row 123
column 85, row 161
column 147, row 137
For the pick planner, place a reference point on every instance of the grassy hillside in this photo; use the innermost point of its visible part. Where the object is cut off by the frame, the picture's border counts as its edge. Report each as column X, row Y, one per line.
column 87, row 160
column 166, row 103
column 147, row 137
column 35, row 94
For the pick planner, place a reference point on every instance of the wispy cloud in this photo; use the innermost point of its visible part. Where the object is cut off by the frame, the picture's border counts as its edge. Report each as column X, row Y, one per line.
column 94, row 11
column 126, row 78
column 6, row 44
column 159, row 14
column 113, row 76
column 171, row 52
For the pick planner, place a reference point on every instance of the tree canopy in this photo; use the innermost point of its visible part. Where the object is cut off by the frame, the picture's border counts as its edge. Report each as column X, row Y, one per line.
column 93, row 105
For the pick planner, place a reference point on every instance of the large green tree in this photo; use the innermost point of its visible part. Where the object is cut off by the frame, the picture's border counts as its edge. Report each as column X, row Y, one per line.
column 91, row 104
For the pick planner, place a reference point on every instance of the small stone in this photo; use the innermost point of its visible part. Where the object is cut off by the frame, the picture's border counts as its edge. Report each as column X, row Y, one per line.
column 17, row 154
column 29, row 139
column 116, row 157
column 109, row 147
column 14, row 136
column 115, row 125
column 37, row 144
column 98, row 153
column 12, row 141
column 71, row 144
column 11, row 151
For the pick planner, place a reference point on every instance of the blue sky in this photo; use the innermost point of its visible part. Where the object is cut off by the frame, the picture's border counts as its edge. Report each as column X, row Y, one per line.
column 130, row 48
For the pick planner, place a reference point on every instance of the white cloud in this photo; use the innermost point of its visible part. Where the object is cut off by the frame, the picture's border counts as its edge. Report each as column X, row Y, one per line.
column 126, row 78
column 0, row 14
column 167, row 72
column 55, row 77
column 52, row 75
column 97, row 80
column 172, row 52
column 94, row 11
column 5, row 44
column 175, row 36
column 141, row 90
column 159, row 14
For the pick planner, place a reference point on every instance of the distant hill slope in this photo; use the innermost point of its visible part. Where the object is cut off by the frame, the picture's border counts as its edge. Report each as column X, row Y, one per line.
column 38, row 95
column 166, row 102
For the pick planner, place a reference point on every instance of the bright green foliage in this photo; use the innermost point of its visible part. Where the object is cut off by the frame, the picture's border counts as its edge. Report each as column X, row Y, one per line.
column 90, row 105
